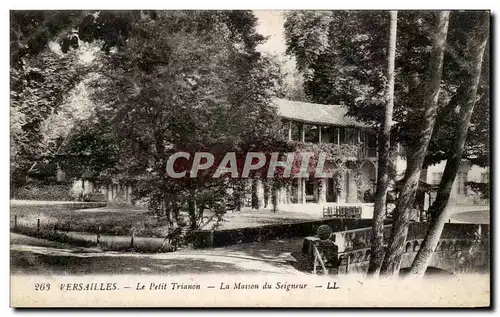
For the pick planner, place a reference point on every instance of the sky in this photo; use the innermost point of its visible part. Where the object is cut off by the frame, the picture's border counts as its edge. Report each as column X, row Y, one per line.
column 271, row 24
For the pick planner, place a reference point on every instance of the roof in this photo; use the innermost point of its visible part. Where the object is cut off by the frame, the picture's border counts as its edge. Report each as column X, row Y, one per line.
column 316, row 113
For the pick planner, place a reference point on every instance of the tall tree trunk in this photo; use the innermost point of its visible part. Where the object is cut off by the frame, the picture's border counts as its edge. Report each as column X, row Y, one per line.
column 438, row 208
column 399, row 230
column 168, row 210
column 266, row 193
column 255, row 198
column 377, row 250
column 192, row 209
column 239, row 196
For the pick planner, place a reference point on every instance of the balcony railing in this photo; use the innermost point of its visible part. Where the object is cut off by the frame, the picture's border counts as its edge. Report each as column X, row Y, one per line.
column 347, row 151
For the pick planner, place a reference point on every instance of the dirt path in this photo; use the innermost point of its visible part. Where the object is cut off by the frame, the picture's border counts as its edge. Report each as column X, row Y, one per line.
column 37, row 256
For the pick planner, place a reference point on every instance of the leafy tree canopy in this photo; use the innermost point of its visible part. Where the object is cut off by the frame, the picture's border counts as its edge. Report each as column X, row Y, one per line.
column 343, row 57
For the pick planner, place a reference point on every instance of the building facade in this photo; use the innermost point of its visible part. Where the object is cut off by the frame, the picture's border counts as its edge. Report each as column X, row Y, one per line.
column 461, row 194
column 354, row 179
column 310, row 123
column 319, row 124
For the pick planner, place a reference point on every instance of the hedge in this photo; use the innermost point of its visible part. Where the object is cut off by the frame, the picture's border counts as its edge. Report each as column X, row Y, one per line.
column 220, row 238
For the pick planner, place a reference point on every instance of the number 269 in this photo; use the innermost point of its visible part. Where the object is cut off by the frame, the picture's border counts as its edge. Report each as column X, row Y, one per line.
column 42, row 286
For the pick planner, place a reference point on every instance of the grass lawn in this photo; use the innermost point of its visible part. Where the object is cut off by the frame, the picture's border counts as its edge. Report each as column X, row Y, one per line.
column 254, row 218
column 112, row 220
column 121, row 220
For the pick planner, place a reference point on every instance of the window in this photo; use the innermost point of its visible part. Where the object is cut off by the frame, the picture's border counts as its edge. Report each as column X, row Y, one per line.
column 371, row 140
column 436, row 178
column 285, row 130
column 335, row 135
column 327, row 134
column 350, row 136
column 311, row 133
column 309, row 188
column 296, row 131
column 342, row 135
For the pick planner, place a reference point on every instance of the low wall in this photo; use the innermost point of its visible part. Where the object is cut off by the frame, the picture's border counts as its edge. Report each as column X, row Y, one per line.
column 104, row 242
column 220, row 238
column 462, row 248
column 34, row 208
column 361, row 238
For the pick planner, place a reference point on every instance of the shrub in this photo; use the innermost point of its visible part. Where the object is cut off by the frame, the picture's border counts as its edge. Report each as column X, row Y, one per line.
column 51, row 192
column 324, row 232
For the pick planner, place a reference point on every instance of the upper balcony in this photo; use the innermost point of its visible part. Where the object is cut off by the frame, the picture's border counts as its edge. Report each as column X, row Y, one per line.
column 326, row 124
column 364, row 138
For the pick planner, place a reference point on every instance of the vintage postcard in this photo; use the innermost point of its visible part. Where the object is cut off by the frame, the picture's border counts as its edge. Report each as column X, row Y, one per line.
column 214, row 158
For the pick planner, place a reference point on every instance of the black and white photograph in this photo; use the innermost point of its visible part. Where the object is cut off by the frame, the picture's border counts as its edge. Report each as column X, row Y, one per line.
column 250, row 158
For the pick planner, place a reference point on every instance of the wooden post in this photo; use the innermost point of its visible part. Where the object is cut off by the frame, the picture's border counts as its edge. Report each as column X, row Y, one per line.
column 15, row 221
column 132, row 238
column 98, row 239
column 260, row 193
column 299, row 190
column 83, row 187
column 38, row 226
column 275, row 198
column 318, row 258
column 129, row 194
column 321, row 190
column 315, row 263
column 347, row 264
column 365, row 145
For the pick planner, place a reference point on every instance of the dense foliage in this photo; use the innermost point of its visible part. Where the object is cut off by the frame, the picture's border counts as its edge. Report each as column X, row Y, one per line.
column 162, row 82
column 343, row 57
column 185, row 81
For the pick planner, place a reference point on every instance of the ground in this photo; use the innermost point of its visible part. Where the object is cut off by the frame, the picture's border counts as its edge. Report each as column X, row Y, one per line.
column 31, row 255
column 119, row 220
column 252, row 218
column 478, row 216
column 36, row 256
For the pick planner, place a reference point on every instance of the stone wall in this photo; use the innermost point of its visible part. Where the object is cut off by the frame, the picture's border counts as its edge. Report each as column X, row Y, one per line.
column 218, row 238
column 462, row 248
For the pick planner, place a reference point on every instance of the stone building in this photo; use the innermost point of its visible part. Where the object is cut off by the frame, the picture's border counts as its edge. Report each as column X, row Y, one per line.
column 355, row 175
column 310, row 123
column 460, row 193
